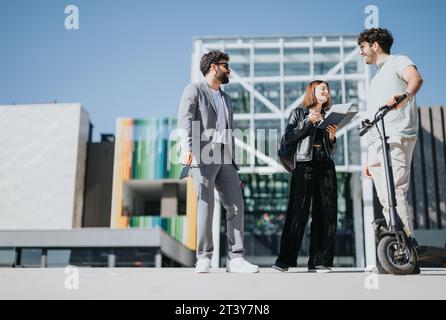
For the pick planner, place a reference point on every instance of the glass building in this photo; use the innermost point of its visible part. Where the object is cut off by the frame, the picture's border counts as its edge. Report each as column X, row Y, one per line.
column 268, row 79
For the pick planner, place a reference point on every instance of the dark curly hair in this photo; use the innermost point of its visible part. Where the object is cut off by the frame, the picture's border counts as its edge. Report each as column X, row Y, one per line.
column 211, row 57
column 382, row 36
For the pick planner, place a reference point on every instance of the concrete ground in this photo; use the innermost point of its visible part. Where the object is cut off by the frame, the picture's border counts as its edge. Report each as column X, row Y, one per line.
column 185, row 284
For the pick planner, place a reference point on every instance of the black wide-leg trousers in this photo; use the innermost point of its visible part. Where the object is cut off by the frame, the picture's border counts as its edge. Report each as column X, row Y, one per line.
column 313, row 184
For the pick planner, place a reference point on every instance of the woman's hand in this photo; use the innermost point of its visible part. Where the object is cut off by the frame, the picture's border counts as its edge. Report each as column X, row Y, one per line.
column 315, row 117
column 331, row 132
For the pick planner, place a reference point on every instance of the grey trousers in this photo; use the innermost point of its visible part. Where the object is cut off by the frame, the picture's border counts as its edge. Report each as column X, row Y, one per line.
column 401, row 151
column 224, row 178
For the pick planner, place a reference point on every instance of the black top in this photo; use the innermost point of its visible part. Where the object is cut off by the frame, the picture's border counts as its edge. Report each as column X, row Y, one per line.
column 298, row 139
column 318, row 137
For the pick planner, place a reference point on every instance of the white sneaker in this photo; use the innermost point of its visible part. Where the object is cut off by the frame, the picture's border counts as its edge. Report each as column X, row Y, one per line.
column 240, row 265
column 319, row 269
column 203, row 265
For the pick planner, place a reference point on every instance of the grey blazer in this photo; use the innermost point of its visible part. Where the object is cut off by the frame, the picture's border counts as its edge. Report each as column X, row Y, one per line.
column 197, row 106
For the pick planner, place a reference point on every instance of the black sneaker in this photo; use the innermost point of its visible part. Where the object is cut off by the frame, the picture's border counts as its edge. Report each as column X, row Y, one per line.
column 319, row 269
column 380, row 225
column 416, row 270
column 280, row 266
column 414, row 242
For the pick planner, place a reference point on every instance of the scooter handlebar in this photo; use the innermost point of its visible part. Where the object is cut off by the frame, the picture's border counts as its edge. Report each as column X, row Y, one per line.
column 364, row 129
column 398, row 101
column 366, row 124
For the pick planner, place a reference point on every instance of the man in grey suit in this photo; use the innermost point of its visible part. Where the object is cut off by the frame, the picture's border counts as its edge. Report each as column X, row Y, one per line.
column 206, row 119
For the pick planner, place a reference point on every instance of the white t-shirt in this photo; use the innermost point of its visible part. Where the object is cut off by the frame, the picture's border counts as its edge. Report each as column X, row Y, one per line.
column 221, row 117
column 387, row 82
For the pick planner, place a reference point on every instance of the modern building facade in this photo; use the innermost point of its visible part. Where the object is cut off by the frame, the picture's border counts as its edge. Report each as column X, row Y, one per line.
column 98, row 183
column 146, row 190
column 60, row 189
column 43, row 153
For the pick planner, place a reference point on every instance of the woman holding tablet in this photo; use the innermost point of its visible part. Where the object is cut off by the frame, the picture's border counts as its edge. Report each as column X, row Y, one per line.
column 313, row 183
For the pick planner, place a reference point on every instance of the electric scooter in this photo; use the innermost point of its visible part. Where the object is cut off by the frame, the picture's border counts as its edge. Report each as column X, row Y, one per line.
column 397, row 252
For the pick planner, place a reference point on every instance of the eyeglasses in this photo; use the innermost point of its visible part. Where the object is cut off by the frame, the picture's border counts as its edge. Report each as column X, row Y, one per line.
column 224, row 64
column 363, row 46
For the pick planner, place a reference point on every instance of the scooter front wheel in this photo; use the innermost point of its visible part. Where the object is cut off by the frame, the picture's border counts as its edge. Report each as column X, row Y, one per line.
column 395, row 258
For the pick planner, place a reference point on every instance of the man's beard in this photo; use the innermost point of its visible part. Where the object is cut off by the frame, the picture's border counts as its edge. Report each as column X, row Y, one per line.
column 369, row 59
column 222, row 77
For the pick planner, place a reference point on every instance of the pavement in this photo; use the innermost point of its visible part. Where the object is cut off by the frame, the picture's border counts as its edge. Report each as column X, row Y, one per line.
column 184, row 284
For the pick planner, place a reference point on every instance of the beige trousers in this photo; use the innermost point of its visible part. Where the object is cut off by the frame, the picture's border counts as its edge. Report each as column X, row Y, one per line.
column 401, row 151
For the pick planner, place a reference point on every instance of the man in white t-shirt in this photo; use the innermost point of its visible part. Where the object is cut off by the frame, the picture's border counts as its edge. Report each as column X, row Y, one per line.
column 395, row 75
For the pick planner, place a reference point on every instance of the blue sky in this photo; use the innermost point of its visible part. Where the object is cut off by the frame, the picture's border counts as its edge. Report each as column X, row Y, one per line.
column 132, row 58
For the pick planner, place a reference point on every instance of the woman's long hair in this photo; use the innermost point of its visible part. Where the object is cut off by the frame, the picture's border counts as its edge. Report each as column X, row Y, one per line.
column 310, row 96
